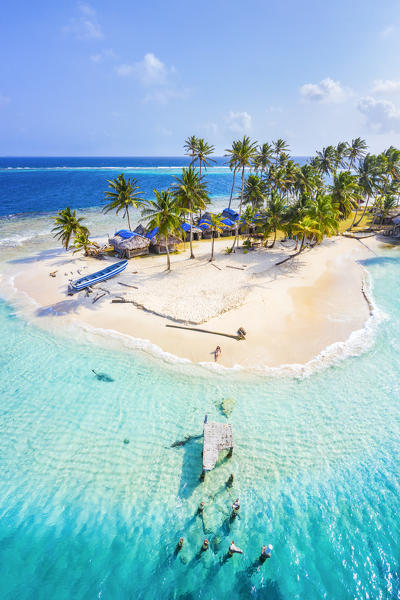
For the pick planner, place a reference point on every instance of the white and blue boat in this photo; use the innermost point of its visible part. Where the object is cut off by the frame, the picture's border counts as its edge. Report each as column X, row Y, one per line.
column 88, row 280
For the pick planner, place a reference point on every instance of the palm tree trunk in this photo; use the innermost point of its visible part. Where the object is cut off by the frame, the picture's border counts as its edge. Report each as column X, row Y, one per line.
column 233, row 185
column 362, row 216
column 273, row 243
column 212, row 247
column 168, row 258
column 129, row 221
column 191, row 231
column 240, row 213
column 292, row 255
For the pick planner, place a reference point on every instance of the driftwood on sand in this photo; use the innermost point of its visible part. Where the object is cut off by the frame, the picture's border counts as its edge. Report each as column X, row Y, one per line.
column 229, row 335
column 128, row 285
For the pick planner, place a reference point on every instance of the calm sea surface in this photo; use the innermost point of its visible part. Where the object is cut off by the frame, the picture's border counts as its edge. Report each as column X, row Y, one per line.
column 84, row 514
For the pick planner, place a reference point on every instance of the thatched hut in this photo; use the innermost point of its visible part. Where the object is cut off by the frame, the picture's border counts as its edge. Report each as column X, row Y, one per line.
column 196, row 232
column 394, row 229
column 158, row 245
column 140, row 230
column 129, row 246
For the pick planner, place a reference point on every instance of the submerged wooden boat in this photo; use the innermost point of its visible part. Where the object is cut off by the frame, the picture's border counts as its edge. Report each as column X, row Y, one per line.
column 88, row 280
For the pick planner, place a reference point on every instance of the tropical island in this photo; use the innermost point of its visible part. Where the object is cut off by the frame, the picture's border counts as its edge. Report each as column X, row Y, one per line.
column 273, row 279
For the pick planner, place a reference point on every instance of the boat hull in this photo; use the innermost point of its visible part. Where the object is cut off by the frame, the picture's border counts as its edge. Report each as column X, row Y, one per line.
column 107, row 273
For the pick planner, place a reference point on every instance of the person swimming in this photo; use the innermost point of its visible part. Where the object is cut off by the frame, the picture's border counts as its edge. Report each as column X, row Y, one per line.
column 234, row 549
column 205, row 545
column 266, row 552
column 235, row 507
column 217, row 352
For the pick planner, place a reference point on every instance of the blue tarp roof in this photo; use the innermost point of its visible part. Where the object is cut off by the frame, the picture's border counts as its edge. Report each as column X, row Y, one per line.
column 125, row 234
column 152, row 233
column 228, row 222
column 203, row 224
column 185, row 227
column 232, row 214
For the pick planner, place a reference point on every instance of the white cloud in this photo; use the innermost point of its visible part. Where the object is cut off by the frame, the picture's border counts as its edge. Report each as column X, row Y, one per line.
column 385, row 86
column 86, row 26
column 150, row 71
column 239, row 122
column 103, row 55
column 382, row 116
column 327, row 91
column 4, row 100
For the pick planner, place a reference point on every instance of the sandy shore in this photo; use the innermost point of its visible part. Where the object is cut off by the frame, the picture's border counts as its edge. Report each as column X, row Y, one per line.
column 290, row 313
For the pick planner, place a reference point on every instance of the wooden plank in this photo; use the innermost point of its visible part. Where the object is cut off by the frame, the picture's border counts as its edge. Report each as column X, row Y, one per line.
column 128, row 285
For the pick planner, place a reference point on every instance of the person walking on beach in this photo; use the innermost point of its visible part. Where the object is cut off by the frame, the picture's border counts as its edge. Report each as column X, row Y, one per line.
column 217, row 353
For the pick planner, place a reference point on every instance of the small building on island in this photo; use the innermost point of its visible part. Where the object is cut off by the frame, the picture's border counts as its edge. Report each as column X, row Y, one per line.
column 158, row 243
column 128, row 244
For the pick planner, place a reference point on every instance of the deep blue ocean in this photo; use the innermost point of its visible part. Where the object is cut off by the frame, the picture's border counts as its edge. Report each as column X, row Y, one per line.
column 93, row 498
column 32, row 185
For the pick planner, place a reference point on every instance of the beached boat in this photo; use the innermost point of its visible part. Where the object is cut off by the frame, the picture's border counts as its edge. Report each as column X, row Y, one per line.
column 110, row 271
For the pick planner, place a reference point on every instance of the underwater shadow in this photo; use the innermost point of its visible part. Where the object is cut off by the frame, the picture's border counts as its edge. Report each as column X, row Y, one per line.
column 192, row 465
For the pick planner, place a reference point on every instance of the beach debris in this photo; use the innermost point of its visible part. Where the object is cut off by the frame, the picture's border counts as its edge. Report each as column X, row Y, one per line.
column 53, row 273
column 238, row 268
column 120, row 300
column 241, row 333
column 188, row 438
column 216, row 266
column 227, row 405
column 229, row 335
column 98, row 297
column 128, row 285
column 102, row 376
column 126, row 441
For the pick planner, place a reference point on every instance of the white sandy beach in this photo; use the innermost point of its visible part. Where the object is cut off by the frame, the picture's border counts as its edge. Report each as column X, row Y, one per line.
column 290, row 313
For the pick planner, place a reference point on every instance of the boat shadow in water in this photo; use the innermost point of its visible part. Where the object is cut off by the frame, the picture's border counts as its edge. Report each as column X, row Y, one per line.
column 192, row 464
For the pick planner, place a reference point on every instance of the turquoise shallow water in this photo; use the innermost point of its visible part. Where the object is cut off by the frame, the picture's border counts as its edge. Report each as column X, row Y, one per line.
column 316, row 465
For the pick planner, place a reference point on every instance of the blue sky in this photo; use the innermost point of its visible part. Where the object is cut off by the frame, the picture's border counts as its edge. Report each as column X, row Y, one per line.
column 137, row 78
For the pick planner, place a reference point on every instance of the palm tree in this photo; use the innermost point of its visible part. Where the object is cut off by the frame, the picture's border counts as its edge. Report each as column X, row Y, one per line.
column 67, row 224
column 326, row 160
column 245, row 152
column 356, row 151
column 233, row 164
column 82, row 242
column 263, row 158
column 341, row 153
column 279, row 147
column 254, row 191
column 163, row 212
column 203, row 152
column 190, row 146
column 126, row 194
column 216, row 227
column 324, row 211
column 366, row 173
column 248, row 218
column 190, row 191
column 345, row 192
column 275, row 213
column 307, row 227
